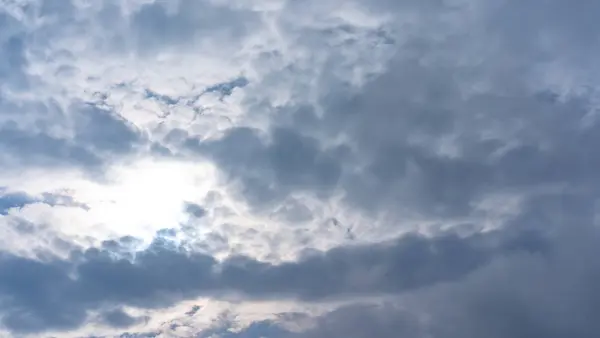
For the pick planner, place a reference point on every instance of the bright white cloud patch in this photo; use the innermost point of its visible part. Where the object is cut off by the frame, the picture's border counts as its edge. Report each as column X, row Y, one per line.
column 274, row 168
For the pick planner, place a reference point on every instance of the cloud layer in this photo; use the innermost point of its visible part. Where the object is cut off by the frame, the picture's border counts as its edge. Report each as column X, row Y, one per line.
column 276, row 168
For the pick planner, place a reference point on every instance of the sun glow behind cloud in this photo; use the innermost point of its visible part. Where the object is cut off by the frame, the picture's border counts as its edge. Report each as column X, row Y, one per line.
column 135, row 199
column 146, row 196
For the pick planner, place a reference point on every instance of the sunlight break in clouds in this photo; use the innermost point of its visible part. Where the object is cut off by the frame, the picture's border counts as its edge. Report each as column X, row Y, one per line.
column 146, row 197
column 299, row 168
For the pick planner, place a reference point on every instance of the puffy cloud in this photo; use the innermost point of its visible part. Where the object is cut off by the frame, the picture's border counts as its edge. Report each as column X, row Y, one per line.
column 523, row 295
column 163, row 274
column 271, row 170
column 118, row 318
column 550, row 293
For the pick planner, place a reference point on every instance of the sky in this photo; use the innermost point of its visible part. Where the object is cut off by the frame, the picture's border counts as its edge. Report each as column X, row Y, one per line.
column 299, row 168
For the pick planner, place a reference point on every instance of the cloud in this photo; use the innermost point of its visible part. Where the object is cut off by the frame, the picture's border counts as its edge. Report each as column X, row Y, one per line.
column 271, row 169
column 17, row 200
column 157, row 25
column 521, row 296
column 163, row 274
column 421, row 168
column 257, row 329
column 100, row 135
column 118, row 319
column 13, row 200
column 549, row 293
column 195, row 210
column 13, row 62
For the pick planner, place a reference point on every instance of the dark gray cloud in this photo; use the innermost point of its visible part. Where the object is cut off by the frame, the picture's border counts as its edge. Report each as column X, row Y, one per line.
column 223, row 89
column 365, row 321
column 508, row 130
column 193, row 310
column 13, row 52
column 13, row 200
column 104, row 131
column 56, row 294
column 118, row 319
column 195, row 210
column 507, row 127
column 265, row 328
column 523, row 295
column 9, row 200
column 414, row 176
column 227, row 88
column 100, row 136
column 43, row 149
column 159, row 25
column 395, row 128
column 535, row 141
column 271, row 167
column 551, row 293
